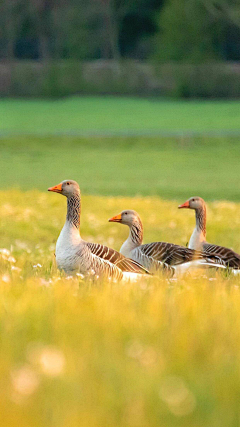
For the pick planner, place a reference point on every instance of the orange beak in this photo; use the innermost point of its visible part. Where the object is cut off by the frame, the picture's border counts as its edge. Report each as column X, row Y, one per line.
column 56, row 188
column 117, row 218
column 184, row 205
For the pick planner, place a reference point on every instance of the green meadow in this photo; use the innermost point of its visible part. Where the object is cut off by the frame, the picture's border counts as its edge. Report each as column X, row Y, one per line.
column 122, row 146
column 107, row 115
column 90, row 353
column 167, row 167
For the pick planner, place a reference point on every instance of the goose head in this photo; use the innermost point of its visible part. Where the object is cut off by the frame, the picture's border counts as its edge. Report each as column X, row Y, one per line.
column 67, row 188
column 193, row 203
column 127, row 217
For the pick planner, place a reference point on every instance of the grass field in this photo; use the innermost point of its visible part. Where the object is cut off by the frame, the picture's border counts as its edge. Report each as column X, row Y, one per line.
column 112, row 115
column 158, row 352
column 167, row 167
column 76, row 353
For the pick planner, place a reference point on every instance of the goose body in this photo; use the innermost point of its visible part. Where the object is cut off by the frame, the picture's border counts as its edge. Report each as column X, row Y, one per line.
column 196, row 240
column 158, row 256
column 73, row 254
column 68, row 244
column 198, row 237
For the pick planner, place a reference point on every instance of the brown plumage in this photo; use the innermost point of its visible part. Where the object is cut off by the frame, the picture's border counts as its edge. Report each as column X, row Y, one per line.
column 198, row 237
column 158, row 255
column 109, row 254
column 74, row 255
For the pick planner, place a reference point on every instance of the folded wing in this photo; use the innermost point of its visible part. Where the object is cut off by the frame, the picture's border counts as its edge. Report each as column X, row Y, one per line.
column 114, row 257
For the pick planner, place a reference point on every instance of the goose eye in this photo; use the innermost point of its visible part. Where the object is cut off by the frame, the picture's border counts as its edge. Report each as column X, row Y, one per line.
column 193, row 200
column 68, row 183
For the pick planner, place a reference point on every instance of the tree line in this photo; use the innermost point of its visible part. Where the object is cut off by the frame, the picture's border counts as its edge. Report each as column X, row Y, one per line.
column 158, row 30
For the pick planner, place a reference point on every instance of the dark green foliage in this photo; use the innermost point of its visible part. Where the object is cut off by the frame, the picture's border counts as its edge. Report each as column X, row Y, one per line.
column 64, row 36
column 77, row 29
column 198, row 31
column 178, row 30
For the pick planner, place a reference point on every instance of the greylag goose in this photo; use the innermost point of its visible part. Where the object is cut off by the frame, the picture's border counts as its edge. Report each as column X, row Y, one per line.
column 198, row 237
column 73, row 254
column 155, row 256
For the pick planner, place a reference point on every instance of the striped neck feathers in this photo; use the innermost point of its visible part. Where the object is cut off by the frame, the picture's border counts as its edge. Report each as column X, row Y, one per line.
column 134, row 239
column 74, row 210
column 201, row 217
column 136, row 232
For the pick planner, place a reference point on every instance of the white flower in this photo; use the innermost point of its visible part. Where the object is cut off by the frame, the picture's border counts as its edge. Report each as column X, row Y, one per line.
column 48, row 358
column 6, row 278
column 13, row 268
column 24, row 380
column 46, row 283
column 5, row 252
column 52, row 361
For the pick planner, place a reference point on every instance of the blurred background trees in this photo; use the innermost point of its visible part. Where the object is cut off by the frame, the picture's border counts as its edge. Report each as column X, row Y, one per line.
column 195, row 30
column 190, row 32
column 77, row 29
column 199, row 30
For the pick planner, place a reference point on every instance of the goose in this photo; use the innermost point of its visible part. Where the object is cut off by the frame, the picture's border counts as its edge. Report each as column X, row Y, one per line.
column 158, row 255
column 198, row 237
column 75, row 255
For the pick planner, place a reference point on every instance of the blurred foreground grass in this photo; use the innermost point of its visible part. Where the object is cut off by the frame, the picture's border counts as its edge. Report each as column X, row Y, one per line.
column 73, row 353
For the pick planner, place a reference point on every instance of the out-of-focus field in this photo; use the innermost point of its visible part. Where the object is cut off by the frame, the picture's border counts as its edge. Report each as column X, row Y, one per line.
column 107, row 115
column 168, row 167
column 158, row 352
column 74, row 353
column 179, row 149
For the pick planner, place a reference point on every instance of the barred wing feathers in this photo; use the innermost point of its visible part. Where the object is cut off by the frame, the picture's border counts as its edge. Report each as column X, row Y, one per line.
column 109, row 254
column 106, row 268
column 168, row 253
column 172, row 254
column 231, row 258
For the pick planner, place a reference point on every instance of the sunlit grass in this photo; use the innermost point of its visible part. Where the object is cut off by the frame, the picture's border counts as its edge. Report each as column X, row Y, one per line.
column 96, row 354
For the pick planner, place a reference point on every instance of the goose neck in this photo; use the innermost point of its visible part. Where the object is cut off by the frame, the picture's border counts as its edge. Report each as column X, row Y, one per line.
column 201, row 220
column 74, row 210
column 134, row 239
column 136, row 233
